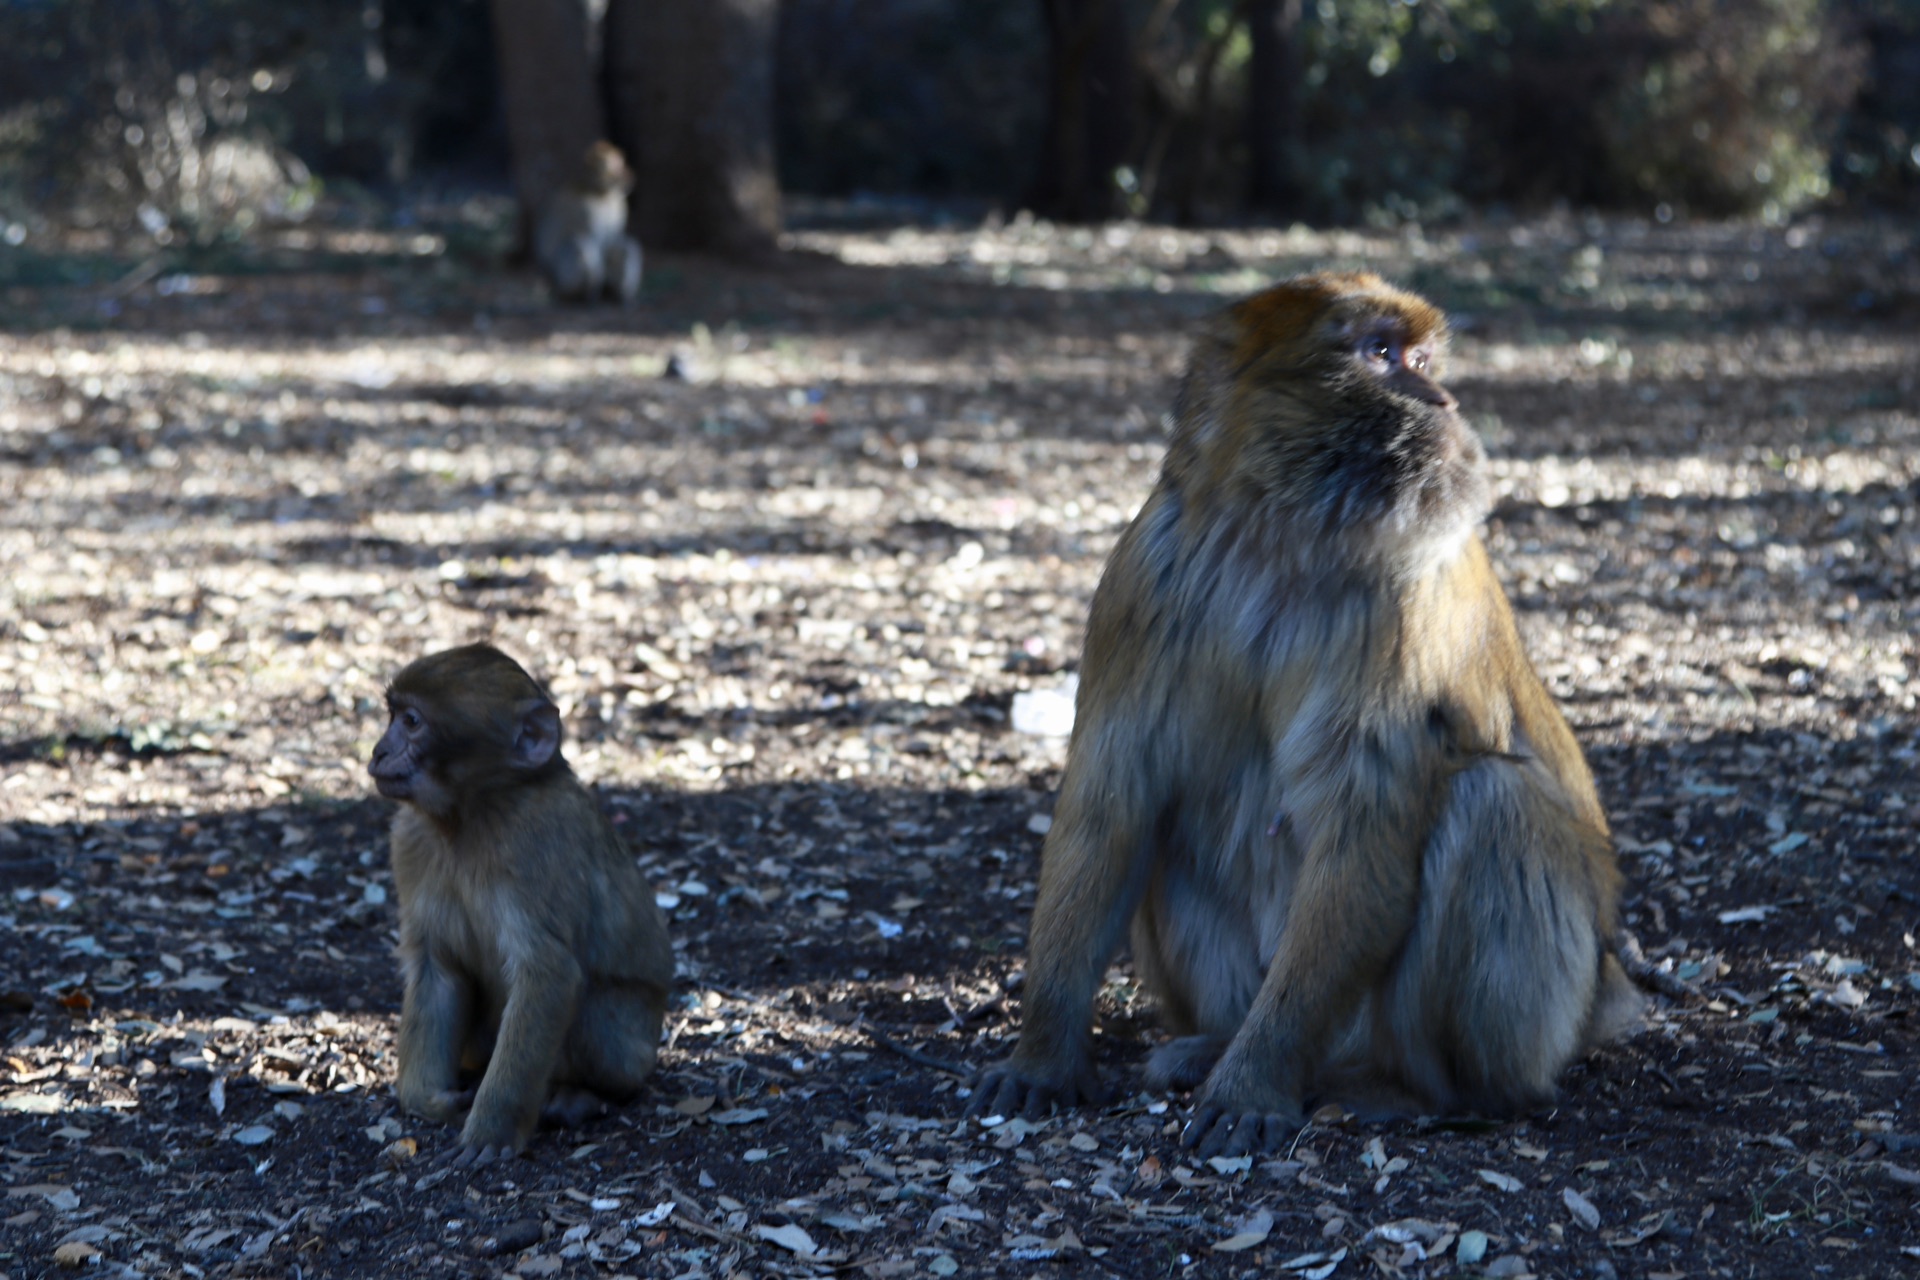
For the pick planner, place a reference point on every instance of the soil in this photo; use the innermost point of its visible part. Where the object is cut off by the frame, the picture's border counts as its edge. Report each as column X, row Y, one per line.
column 787, row 597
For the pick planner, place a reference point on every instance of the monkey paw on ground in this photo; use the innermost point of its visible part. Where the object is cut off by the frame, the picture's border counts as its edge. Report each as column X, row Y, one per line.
column 468, row 1156
column 1005, row 1089
column 1222, row 1131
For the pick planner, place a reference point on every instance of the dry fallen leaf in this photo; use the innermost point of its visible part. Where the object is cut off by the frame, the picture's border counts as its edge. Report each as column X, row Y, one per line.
column 739, row 1115
column 1315, row 1266
column 76, row 1254
column 1645, row 1229
column 1249, row 1232
column 790, row 1237
column 1582, row 1209
column 1502, row 1181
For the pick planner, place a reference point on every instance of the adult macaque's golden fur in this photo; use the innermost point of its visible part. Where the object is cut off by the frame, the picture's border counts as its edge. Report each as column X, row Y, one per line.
column 533, row 951
column 1360, row 848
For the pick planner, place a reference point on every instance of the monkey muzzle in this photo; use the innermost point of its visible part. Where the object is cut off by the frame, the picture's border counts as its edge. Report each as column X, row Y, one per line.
column 1418, row 386
column 392, row 771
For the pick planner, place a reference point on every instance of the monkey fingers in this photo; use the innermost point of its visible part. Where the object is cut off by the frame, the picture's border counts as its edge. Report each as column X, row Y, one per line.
column 466, row 1157
column 1217, row 1131
column 1003, row 1090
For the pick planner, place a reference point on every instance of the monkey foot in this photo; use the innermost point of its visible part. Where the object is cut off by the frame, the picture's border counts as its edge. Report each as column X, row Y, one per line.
column 1217, row 1131
column 571, row 1108
column 1184, row 1063
column 478, row 1157
column 1004, row 1090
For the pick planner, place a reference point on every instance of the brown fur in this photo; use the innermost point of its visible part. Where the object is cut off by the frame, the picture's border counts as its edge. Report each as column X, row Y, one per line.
column 532, row 948
column 580, row 239
column 1359, row 845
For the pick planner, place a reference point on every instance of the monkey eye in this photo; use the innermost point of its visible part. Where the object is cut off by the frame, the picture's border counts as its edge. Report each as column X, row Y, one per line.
column 1420, row 361
column 1377, row 349
column 410, row 720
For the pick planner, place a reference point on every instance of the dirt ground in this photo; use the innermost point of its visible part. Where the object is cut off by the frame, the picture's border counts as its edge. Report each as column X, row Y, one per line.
column 787, row 599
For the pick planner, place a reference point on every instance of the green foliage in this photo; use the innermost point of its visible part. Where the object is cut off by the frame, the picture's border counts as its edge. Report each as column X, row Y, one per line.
column 189, row 121
column 1730, row 105
column 1408, row 108
column 1718, row 106
column 145, row 112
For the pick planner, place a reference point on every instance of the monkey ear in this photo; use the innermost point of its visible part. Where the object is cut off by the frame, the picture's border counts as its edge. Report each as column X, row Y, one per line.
column 538, row 736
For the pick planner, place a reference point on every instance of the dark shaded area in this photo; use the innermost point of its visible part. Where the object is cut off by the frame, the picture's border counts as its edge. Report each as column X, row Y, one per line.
column 284, row 889
column 197, row 122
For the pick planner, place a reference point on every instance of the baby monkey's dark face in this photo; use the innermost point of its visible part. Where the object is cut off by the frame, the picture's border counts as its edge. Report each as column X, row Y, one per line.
column 397, row 757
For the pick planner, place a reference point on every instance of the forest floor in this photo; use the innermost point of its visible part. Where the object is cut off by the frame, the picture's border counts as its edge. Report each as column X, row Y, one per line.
column 786, row 601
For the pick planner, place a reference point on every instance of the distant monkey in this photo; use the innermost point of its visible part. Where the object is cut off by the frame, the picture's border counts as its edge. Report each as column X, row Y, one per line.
column 1361, row 851
column 533, row 951
column 580, row 240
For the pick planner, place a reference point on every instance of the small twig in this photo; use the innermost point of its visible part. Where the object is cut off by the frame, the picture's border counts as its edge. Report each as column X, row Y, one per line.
column 685, row 1223
column 891, row 1045
column 135, row 278
column 689, row 1216
column 981, row 1010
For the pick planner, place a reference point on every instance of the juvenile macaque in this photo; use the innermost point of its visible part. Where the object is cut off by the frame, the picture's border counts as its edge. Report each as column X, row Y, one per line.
column 1360, row 849
column 534, row 955
column 581, row 240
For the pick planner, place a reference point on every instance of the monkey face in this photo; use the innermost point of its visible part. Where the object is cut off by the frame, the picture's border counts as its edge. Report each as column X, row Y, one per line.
column 1339, row 420
column 604, row 169
column 1396, row 454
column 464, row 726
column 400, row 759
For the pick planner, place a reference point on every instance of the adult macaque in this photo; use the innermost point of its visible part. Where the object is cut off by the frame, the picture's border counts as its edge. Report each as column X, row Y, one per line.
column 1360, row 848
column 533, row 951
column 580, row 239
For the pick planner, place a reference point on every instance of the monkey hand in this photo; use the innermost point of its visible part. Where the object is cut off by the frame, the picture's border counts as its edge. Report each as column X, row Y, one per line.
column 1240, row 1121
column 1010, row 1088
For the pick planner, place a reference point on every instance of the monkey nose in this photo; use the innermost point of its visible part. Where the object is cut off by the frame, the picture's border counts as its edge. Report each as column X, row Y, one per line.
column 1422, row 388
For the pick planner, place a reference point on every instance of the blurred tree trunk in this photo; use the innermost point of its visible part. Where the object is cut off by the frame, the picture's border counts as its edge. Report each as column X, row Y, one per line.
column 1273, row 106
column 1090, row 110
column 690, row 83
column 550, row 85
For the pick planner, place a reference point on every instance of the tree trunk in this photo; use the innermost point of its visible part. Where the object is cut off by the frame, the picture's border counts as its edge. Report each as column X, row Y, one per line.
column 550, row 85
column 1273, row 106
column 1090, row 110
column 691, row 89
